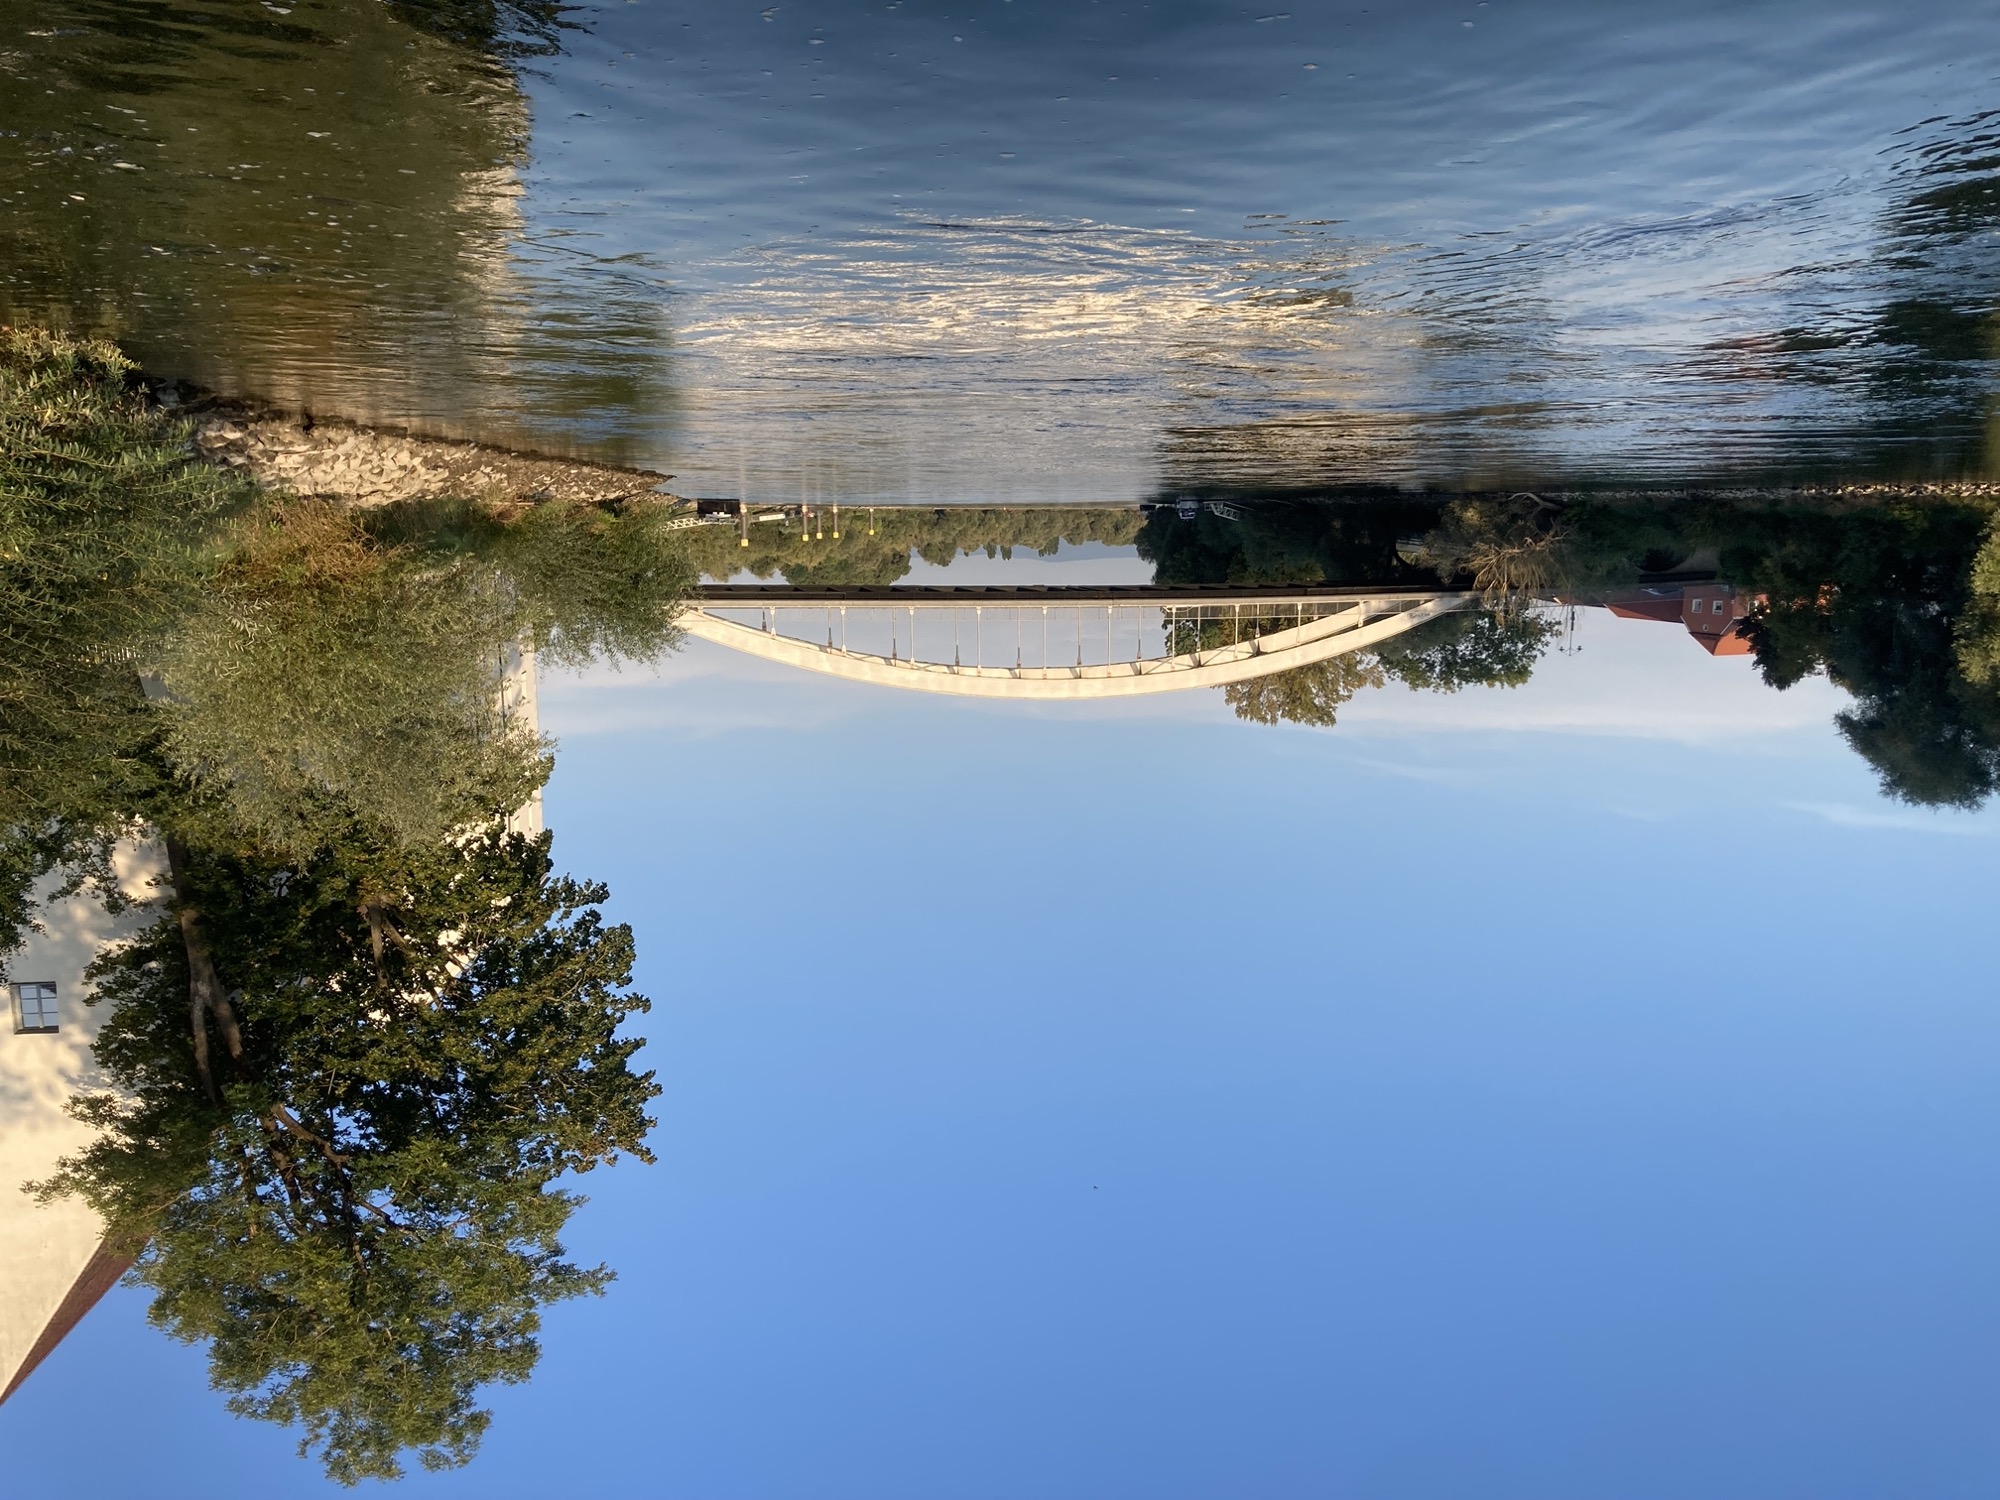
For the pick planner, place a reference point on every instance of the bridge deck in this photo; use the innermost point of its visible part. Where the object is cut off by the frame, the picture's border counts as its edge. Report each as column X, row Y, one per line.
column 900, row 596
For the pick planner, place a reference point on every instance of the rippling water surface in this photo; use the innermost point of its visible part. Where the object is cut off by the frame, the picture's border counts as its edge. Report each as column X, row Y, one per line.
column 1052, row 252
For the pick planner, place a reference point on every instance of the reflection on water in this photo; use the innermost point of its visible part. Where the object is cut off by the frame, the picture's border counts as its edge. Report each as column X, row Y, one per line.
column 316, row 205
column 865, row 257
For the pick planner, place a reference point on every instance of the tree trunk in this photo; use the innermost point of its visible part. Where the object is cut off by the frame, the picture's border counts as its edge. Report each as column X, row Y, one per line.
column 206, row 997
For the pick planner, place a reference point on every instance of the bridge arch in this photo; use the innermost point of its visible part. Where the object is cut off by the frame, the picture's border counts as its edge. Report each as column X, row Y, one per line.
column 1329, row 624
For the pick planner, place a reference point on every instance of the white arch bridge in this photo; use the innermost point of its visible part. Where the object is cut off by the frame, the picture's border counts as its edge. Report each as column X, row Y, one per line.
column 1056, row 644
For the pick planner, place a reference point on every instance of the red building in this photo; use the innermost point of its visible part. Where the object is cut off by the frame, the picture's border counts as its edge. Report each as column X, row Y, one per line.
column 1712, row 612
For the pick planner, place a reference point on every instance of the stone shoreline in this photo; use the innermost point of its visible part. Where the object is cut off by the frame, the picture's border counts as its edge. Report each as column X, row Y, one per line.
column 332, row 459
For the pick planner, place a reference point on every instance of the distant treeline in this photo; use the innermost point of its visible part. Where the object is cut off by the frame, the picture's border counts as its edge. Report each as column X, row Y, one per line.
column 865, row 547
column 1897, row 602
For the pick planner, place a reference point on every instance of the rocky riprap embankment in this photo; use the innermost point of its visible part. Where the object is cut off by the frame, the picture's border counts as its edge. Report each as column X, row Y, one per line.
column 367, row 466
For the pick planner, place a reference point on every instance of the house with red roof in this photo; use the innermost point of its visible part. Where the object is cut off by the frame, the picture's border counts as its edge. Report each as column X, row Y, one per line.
column 1712, row 612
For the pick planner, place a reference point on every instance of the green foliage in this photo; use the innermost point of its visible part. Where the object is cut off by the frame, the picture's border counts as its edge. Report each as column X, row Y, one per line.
column 1978, row 629
column 1510, row 549
column 1367, row 542
column 1470, row 647
column 105, row 523
column 1892, row 602
column 345, row 662
column 322, row 672
column 375, row 1348
column 1484, row 648
column 1883, row 602
column 874, row 547
column 1927, row 747
column 1287, row 542
column 596, row 586
column 1304, row 695
column 363, row 1227
column 20, row 868
column 106, row 530
column 354, row 1061
column 312, row 662
column 1898, row 604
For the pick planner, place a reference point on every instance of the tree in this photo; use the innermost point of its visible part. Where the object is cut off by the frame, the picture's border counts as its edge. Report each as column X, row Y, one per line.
column 873, row 546
column 298, row 651
column 372, row 1032
column 1304, row 695
column 1978, row 627
column 323, row 672
column 1488, row 648
column 343, row 659
column 106, row 527
column 1484, row 648
column 106, row 521
column 1886, row 603
column 1287, row 541
column 338, row 1166
column 591, row 584
column 1511, row 549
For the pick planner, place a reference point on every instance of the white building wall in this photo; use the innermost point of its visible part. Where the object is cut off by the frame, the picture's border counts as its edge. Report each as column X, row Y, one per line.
column 44, row 1247
column 520, row 708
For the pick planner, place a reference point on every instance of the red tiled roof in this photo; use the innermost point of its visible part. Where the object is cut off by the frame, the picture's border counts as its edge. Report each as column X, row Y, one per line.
column 1668, row 610
column 99, row 1274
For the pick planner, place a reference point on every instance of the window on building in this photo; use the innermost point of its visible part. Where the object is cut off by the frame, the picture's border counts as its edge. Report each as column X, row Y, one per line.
column 34, row 1007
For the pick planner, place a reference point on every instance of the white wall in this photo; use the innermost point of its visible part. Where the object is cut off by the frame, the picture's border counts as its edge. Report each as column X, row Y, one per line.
column 42, row 1248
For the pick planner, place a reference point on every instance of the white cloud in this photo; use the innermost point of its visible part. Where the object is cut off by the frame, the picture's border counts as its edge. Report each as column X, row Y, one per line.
column 1983, row 824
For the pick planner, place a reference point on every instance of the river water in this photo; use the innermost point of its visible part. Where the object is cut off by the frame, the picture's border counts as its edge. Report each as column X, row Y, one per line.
column 1027, row 252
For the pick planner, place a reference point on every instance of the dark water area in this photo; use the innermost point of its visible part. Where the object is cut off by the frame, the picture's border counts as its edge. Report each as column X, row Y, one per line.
column 1110, row 749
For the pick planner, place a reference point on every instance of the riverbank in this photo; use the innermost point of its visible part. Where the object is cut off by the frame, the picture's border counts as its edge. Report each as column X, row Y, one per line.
column 375, row 466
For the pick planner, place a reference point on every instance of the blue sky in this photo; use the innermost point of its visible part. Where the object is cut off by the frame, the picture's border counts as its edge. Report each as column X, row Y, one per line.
column 1581, row 1090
